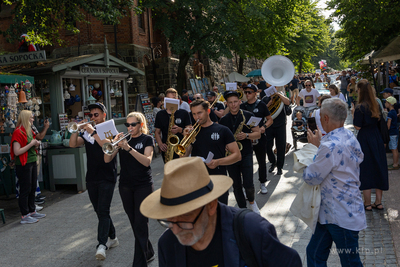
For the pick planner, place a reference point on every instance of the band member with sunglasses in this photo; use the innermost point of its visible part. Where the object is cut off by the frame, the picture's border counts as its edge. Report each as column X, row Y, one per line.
column 242, row 171
column 214, row 138
column 100, row 178
column 182, row 120
column 260, row 110
column 136, row 182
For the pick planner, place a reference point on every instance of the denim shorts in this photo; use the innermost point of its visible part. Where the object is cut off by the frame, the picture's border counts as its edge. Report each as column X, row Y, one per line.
column 393, row 141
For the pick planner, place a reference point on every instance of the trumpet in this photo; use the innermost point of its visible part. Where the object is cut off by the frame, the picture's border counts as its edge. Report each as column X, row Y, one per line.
column 109, row 147
column 180, row 149
column 73, row 127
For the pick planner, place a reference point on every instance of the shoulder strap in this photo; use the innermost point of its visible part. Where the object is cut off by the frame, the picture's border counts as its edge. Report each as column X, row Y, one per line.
column 244, row 247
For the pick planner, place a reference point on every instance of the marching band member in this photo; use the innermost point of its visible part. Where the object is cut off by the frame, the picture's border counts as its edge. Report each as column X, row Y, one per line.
column 260, row 110
column 235, row 120
column 214, row 138
column 162, row 122
column 277, row 131
column 100, row 178
column 136, row 182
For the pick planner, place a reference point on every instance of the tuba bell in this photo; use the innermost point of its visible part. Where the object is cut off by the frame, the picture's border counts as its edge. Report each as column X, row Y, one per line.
column 277, row 71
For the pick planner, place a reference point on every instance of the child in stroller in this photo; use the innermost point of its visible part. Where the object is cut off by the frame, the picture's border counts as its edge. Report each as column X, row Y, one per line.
column 299, row 116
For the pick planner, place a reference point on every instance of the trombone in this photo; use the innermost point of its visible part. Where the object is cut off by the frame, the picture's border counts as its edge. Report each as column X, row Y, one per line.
column 73, row 127
column 109, row 147
column 180, row 149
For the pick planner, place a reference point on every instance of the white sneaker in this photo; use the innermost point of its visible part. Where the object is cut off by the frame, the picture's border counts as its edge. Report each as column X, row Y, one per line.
column 101, row 252
column 37, row 215
column 28, row 219
column 264, row 189
column 254, row 207
column 111, row 243
column 38, row 208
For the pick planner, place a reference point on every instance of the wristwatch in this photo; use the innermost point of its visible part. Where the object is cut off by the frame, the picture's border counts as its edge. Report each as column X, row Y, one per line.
column 247, row 136
column 94, row 132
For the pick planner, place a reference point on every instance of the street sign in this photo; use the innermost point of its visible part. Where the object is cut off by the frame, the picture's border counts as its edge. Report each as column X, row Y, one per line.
column 21, row 58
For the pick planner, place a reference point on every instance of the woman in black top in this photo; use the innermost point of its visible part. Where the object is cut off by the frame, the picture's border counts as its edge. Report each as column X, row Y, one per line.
column 135, row 182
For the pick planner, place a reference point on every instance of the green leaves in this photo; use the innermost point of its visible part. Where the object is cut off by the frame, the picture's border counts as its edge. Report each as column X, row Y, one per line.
column 43, row 20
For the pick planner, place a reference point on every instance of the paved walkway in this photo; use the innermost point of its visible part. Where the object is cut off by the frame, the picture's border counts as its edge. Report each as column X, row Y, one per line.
column 67, row 236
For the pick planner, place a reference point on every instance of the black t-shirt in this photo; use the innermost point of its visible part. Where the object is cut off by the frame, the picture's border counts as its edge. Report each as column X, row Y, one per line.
column 294, row 83
column 212, row 255
column 213, row 117
column 133, row 173
column 233, row 122
column 97, row 169
column 213, row 138
column 258, row 108
column 219, row 106
column 182, row 119
column 280, row 119
column 262, row 85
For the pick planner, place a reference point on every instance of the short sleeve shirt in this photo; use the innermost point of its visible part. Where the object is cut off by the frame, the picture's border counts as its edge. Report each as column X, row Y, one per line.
column 181, row 117
column 309, row 98
column 213, row 138
column 259, row 110
column 393, row 124
column 233, row 122
column 133, row 173
column 97, row 169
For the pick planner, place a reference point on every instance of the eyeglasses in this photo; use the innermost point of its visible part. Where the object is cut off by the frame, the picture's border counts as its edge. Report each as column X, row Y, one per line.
column 94, row 114
column 248, row 92
column 133, row 124
column 182, row 225
column 308, row 85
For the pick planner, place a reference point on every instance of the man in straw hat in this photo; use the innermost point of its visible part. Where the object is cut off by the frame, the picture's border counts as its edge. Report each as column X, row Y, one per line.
column 200, row 228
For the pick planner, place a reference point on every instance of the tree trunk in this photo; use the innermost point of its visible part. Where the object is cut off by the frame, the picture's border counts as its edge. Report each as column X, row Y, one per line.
column 241, row 62
column 181, row 75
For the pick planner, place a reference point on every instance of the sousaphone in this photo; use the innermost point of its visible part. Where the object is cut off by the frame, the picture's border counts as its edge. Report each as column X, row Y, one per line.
column 277, row 71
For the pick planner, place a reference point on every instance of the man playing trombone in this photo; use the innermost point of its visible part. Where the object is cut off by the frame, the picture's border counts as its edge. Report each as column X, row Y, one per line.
column 214, row 138
column 100, row 178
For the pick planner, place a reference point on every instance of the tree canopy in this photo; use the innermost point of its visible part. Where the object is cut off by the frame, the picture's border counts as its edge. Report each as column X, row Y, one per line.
column 366, row 25
column 43, row 20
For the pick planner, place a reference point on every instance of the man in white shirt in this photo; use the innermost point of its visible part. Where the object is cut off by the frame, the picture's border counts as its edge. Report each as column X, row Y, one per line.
column 336, row 168
column 310, row 95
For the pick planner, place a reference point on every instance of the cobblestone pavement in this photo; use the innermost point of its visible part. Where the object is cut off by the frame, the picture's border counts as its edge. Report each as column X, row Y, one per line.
column 67, row 236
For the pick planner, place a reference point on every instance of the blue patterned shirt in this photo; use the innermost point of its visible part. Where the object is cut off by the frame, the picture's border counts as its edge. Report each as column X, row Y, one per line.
column 336, row 168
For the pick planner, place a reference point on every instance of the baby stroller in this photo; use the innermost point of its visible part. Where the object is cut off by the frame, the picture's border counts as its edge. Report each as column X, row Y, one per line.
column 299, row 128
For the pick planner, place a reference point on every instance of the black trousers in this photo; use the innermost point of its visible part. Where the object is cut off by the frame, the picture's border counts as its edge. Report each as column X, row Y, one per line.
column 242, row 175
column 27, row 176
column 101, row 194
column 132, row 197
column 260, row 151
column 279, row 135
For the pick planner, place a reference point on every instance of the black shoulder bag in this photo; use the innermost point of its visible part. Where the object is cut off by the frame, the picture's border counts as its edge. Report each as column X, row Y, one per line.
column 244, row 247
column 383, row 129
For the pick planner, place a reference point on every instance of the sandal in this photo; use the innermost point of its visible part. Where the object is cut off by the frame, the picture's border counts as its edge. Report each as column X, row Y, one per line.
column 392, row 167
column 375, row 206
column 288, row 146
column 366, row 206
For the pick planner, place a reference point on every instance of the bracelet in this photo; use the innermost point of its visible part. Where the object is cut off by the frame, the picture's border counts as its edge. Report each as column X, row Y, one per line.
column 130, row 149
column 94, row 132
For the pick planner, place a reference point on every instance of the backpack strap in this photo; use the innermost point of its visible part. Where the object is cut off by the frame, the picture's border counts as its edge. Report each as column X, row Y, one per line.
column 244, row 246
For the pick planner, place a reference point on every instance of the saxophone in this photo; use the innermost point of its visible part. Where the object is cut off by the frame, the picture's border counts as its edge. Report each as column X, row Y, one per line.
column 172, row 139
column 238, row 130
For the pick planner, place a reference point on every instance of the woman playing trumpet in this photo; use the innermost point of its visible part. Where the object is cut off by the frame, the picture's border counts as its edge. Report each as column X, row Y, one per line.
column 136, row 182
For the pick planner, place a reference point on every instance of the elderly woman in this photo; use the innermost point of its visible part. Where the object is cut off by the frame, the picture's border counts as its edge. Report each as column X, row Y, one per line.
column 23, row 151
column 373, row 170
column 335, row 92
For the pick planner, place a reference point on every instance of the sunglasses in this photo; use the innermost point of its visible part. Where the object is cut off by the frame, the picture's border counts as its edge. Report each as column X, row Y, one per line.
column 198, row 98
column 94, row 114
column 248, row 92
column 308, row 85
column 133, row 124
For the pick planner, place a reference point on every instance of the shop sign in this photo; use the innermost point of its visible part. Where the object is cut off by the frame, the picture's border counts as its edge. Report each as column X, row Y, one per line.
column 98, row 70
column 20, row 58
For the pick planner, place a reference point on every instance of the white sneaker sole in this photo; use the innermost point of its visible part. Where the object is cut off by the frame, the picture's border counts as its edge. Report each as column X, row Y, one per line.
column 100, row 257
column 25, row 222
